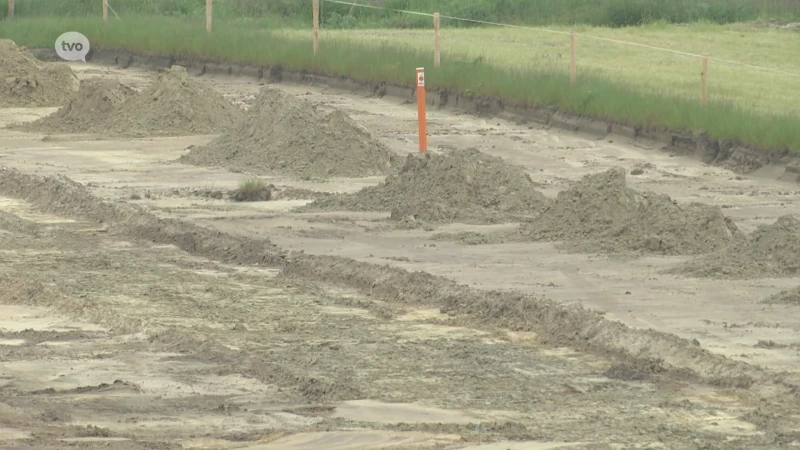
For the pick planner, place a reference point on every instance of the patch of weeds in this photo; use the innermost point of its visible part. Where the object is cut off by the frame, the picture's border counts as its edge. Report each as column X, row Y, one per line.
column 769, row 344
column 253, row 190
column 91, row 431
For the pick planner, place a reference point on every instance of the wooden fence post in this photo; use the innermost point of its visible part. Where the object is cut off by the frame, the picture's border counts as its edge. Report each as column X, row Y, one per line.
column 10, row 9
column 704, row 80
column 316, row 25
column 209, row 14
column 437, row 56
column 352, row 8
column 573, row 71
column 105, row 10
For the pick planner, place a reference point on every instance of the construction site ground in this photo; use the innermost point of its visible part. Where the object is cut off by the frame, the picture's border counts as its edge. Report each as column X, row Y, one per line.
column 120, row 343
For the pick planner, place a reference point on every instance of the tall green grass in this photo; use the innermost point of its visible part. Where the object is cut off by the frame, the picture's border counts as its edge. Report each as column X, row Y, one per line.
column 531, row 12
column 593, row 96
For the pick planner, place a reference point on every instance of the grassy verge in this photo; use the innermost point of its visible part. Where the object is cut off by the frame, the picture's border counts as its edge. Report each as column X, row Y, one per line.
column 594, row 96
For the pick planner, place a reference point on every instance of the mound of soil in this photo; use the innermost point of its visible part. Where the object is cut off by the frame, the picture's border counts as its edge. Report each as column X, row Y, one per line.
column 771, row 251
column 26, row 82
column 284, row 134
column 789, row 297
column 462, row 185
column 96, row 101
column 13, row 224
column 602, row 214
column 174, row 105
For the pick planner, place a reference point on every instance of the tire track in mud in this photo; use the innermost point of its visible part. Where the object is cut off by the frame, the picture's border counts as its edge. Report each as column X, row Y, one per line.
column 192, row 342
column 555, row 324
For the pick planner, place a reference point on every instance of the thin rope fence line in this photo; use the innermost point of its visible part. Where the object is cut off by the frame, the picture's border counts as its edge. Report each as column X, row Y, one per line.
column 567, row 33
column 112, row 10
column 753, row 66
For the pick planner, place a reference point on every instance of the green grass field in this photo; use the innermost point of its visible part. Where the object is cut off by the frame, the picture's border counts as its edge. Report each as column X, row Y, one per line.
column 642, row 69
column 616, row 82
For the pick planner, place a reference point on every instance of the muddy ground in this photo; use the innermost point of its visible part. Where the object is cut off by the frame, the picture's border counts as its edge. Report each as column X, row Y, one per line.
column 114, row 341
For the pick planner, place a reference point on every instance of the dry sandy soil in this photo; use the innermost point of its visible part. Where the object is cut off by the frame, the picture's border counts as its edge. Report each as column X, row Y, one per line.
column 110, row 338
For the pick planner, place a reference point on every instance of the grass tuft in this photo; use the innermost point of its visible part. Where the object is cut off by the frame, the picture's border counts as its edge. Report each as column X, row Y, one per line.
column 253, row 190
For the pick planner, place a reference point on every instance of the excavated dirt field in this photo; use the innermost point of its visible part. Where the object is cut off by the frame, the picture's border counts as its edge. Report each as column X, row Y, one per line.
column 144, row 309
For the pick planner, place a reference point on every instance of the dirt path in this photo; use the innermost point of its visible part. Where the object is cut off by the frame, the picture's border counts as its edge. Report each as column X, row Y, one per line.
column 118, row 343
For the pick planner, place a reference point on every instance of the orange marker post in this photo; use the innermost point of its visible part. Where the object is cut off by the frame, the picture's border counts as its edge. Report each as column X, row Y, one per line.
column 421, row 116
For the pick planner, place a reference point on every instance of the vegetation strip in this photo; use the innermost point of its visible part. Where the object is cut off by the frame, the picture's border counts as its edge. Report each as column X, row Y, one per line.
column 607, row 13
column 592, row 96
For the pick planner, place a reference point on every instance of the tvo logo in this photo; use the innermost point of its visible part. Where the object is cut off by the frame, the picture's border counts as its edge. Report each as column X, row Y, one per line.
column 72, row 46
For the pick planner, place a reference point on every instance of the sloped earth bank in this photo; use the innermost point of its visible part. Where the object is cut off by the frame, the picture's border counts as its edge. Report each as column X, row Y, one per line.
column 459, row 185
column 771, row 251
column 600, row 213
column 26, row 82
column 554, row 323
column 789, row 297
column 64, row 196
column 117, row 344
column 285, row 134
column 97, row 100
column 174, row 104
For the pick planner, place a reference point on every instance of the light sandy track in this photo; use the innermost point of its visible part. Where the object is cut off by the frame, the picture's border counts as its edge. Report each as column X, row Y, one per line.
column 266, row 334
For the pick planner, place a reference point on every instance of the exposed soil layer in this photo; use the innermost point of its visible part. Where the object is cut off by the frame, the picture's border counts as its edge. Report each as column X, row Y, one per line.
column 229, row 358
column 285, row 134
column 269, row 192
column 600, row 213
column 771, row 251
column 26, row 82
column 63, row 196
column 460, row 185
column 788, row 297
column 96, row 102
column 12, row 223
column 554, row 323
column 175, row 104
column 471, row 238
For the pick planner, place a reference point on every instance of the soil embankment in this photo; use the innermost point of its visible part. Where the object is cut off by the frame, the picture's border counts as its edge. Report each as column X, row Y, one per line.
column 601, row 214
column 26, row 82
